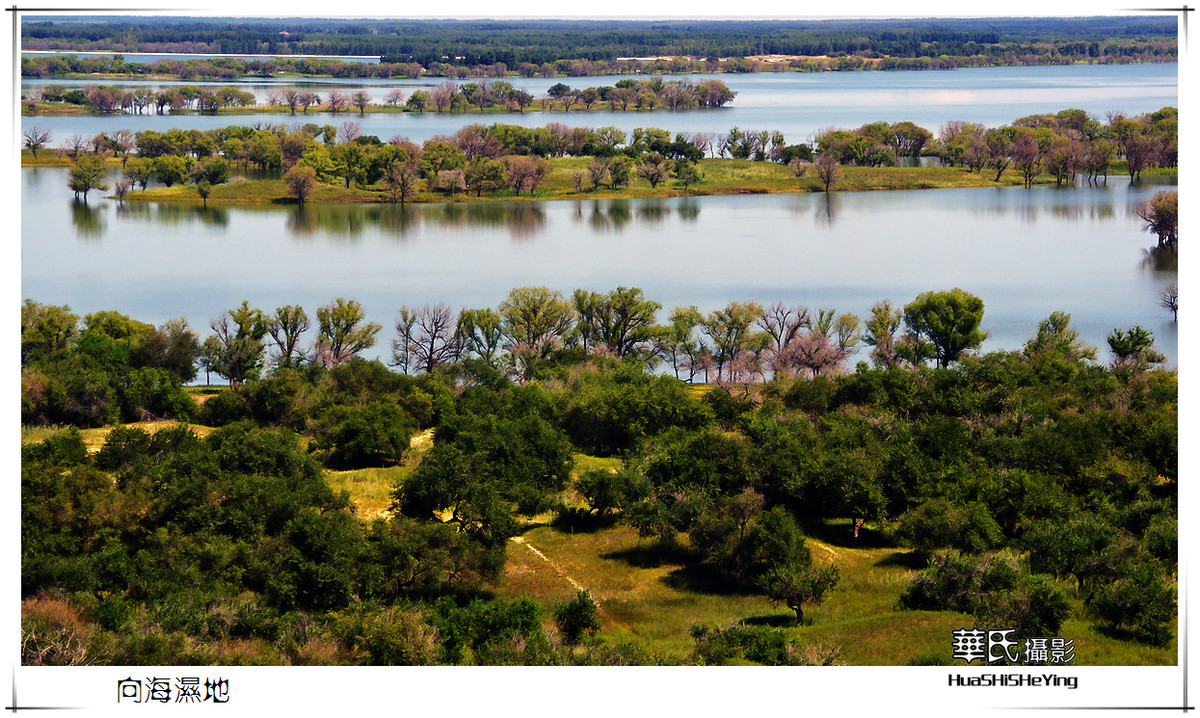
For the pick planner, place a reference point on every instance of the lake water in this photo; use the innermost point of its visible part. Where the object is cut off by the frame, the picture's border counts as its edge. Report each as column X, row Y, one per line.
column 797, row 104
column 1026, row 253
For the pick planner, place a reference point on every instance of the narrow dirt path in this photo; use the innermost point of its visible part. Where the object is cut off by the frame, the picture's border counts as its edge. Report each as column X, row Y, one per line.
column 562, row 573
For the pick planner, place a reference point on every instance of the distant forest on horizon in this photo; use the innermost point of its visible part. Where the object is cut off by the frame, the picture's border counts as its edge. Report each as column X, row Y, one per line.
column 547, row 40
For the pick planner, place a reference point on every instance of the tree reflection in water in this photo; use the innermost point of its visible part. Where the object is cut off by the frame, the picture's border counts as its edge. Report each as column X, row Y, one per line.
column 88, row 221
column 187, row 213
column 1161, row 259
column 827, row 209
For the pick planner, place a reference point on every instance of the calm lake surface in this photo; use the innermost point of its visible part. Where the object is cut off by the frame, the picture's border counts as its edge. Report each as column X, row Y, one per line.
column 1026, row 253
column 797, row 104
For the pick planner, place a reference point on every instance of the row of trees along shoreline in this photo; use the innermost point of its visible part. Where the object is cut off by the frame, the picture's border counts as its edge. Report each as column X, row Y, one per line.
column 483, row 159
column 536, row 329
column 450, row 97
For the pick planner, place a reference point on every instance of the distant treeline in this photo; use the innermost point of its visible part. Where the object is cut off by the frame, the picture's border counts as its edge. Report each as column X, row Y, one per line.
column 547, row 48
column 499, row 95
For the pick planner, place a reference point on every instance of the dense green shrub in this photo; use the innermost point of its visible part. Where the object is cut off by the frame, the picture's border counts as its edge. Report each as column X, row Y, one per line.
column 1141, row 600
column 577, row 617
column 376, row 434
column 941, row 523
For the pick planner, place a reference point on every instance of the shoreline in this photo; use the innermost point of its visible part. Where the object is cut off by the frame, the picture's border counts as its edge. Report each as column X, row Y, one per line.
column 724, row 177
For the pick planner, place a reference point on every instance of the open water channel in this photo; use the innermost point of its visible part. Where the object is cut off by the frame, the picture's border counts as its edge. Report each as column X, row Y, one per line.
column 797, row 104
column 1026, row 253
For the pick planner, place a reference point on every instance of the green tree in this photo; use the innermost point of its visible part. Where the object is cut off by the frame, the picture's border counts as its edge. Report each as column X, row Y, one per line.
column 239, row 333
column 729, row 329
column 686, row 173
column 534, row 321
column 1056, row 339
column 1133, row 348
column 483, row 471
column 264, row 150
column 285, row 328
column 213, row 170
column 622, row 321
column 349, row 162
column 418, row 101
column 880, row 333
column 171, row 169
column 204, row 189
column 786, row 572
column 1139, row 599
column 682, row 347
column 377, row 434
column 45, row 329
column 86, row 175
column 342, row 333
column 480, row 332
column 483, row 174
column 948, row 321
column 140, row 171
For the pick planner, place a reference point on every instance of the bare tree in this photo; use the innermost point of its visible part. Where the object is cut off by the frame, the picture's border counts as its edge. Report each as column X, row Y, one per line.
column 1168, row 298
column 401, row 180
column 827, row 171
column 75, row 145
column 349, row 132
column 1161, row 214
column 122, row 143
column 526, row 172
column 309, row 99
column 1027, row 157
column 654, row 169
column 798, row 166
column 338, row 101
column 442, row 96
column 37, row 138
column 301, row 181
column 814, row 353
column 394, row 98
column 432, row 337
column 782, row 324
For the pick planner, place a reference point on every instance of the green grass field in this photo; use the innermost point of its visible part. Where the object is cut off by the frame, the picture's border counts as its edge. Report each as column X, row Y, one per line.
column 650, row 597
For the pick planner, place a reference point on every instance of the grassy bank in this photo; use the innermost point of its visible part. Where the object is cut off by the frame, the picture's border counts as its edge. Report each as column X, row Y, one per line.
column 721, row 177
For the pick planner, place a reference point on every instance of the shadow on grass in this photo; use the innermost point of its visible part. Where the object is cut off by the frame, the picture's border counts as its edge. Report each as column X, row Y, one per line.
column 840, row 532
column 912, row 560
column 701, row 579
column 575, row 519
column 777, row 620
column 653, row 555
